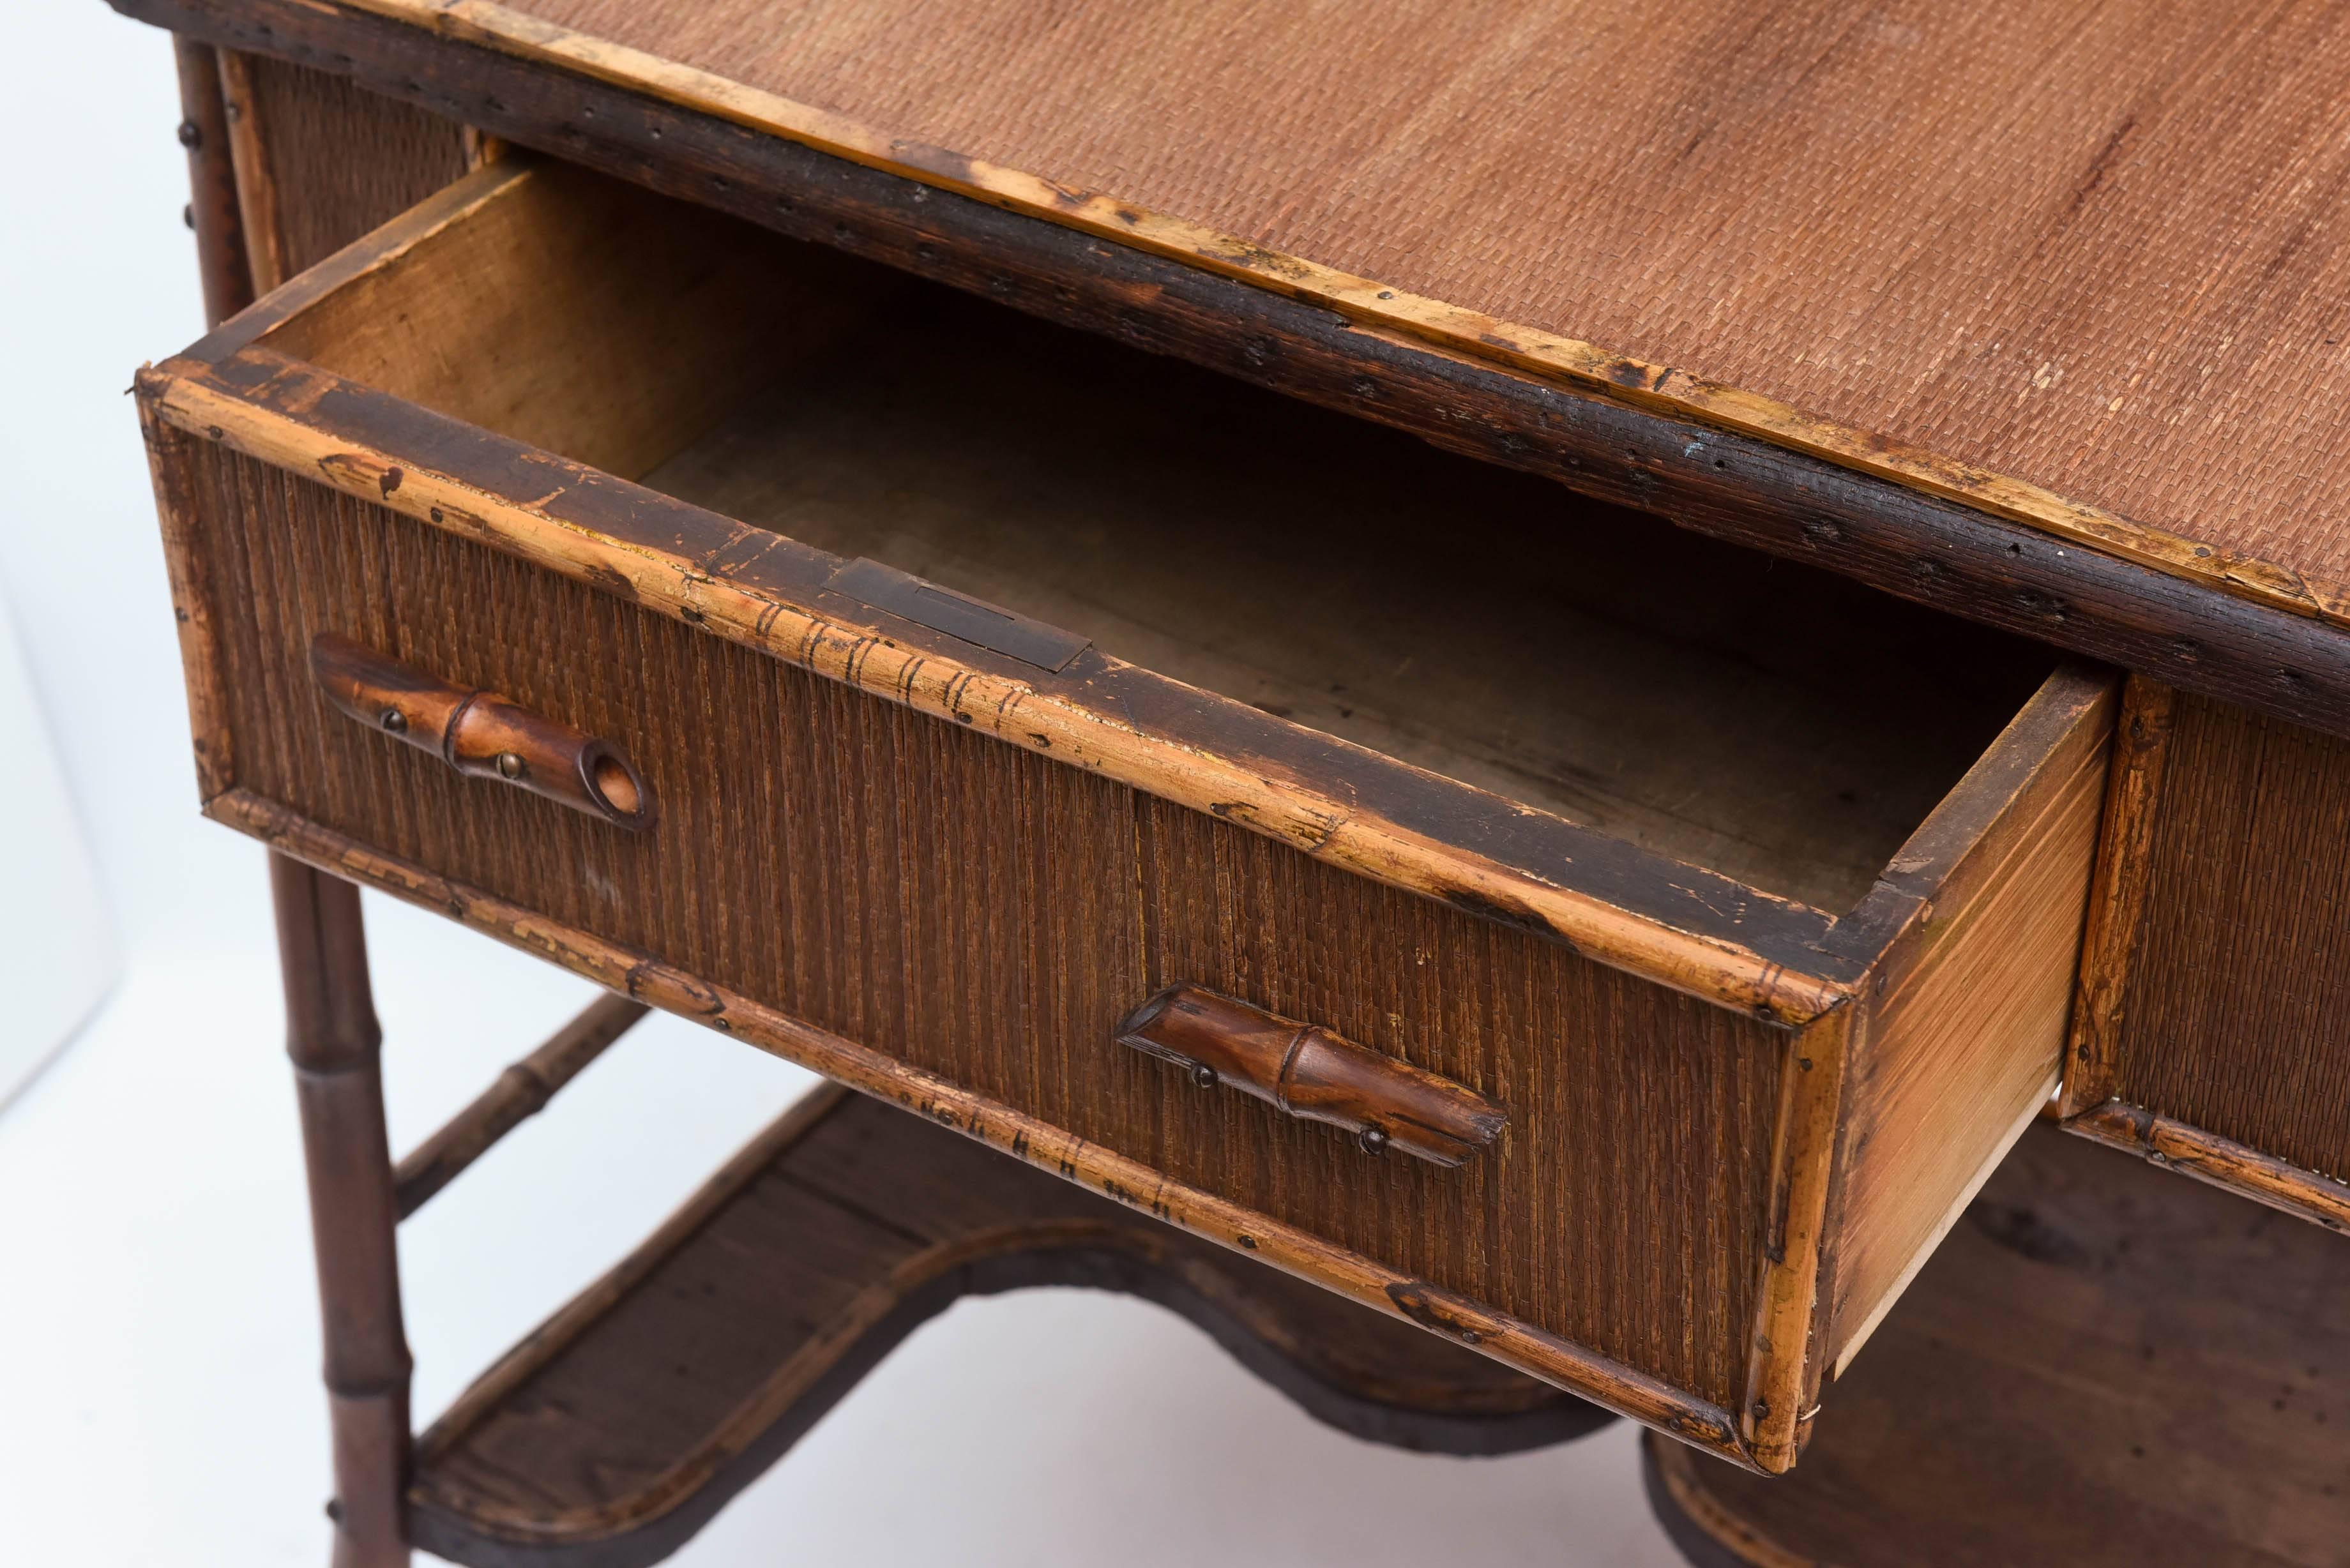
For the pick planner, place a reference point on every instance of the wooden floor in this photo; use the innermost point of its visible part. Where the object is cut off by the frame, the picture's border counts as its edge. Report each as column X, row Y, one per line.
column 619, row 1428
column 2104, row 1364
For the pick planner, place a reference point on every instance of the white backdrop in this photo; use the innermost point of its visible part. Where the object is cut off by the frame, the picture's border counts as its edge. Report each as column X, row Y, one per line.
column 57, row 951
column 159, row 1401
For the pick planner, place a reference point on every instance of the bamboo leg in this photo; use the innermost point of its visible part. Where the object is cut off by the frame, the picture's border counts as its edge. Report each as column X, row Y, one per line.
column 332, row 1035
column 212, row 182
column 521, row 1092
column 330, row 1027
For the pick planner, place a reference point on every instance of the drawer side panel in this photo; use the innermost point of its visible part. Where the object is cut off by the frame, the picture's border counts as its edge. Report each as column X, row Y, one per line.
column 987, row 914
column 1965, row 1036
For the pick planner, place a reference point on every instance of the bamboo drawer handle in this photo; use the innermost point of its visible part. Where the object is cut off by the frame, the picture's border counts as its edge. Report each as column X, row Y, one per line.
column 1313, row 1074
column 480, row 733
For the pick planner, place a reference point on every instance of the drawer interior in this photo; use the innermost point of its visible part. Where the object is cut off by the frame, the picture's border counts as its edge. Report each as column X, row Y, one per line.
column 1501, row 630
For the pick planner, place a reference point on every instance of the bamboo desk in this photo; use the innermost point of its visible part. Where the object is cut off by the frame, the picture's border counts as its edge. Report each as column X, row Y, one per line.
column 1624, row 951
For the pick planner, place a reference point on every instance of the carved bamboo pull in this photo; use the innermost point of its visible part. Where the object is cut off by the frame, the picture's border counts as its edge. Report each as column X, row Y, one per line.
column 481, row 734
column 1313, row 1074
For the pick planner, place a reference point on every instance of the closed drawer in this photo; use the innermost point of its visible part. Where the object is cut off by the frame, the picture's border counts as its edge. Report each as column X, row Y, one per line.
column 1747, row 902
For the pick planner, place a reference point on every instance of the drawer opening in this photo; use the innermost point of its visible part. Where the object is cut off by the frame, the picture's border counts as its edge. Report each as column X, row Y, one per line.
column 1762, row 719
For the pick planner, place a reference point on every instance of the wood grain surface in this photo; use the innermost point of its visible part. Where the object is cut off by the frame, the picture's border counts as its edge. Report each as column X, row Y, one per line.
column 2103, row 1367
column 1887, row 237
column 2117, row 895
column 1966, row 1010
column 617, row 1429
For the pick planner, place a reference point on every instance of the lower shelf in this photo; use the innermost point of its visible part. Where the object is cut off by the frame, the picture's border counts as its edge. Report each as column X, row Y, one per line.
column 2102, row 1364
column 626, row 1421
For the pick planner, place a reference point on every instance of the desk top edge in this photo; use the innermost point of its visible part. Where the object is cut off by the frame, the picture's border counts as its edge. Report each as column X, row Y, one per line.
column 2198, row 553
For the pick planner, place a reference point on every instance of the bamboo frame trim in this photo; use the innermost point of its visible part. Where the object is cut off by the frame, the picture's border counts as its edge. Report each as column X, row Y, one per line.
column 191, row 606
column 526, row 1088
column 1585, row 365
column 2310, row 1195
column 1781, row 1371
column 2116, row 895
column 1539, row 1354
column 932, row 681
column 257, row 185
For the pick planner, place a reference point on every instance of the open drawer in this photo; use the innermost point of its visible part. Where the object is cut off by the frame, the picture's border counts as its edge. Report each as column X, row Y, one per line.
column 1590, row 956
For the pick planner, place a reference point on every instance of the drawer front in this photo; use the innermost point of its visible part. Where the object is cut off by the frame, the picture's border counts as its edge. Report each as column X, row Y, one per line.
column 990, row 916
